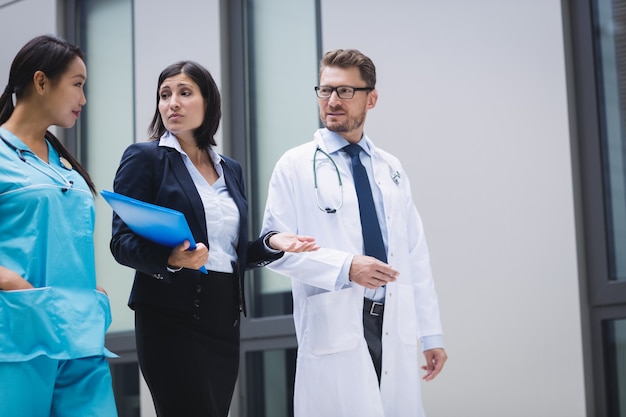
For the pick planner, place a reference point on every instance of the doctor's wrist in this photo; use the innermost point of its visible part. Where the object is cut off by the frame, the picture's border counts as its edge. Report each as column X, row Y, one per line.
column 266, row 242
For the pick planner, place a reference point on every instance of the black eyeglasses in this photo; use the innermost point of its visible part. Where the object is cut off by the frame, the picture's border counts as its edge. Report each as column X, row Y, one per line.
column 343, row 92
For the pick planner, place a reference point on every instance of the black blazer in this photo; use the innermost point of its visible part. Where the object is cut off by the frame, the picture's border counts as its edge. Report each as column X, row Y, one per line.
column 158, row 175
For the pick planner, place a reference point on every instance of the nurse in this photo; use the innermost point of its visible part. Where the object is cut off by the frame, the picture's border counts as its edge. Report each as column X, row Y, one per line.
column 53, row 317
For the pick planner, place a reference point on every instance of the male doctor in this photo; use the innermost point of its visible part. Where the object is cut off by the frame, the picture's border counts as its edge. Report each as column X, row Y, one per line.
column 366, row 299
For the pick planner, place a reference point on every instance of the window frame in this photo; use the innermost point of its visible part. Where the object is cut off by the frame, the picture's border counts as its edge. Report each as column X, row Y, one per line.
column 602, row 299
column 257, row 333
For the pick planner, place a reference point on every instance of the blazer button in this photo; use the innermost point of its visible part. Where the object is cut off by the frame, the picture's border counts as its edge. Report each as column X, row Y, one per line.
column 196, row 303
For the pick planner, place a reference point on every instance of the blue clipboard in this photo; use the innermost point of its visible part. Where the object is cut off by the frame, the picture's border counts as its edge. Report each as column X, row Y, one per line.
column 161, row 225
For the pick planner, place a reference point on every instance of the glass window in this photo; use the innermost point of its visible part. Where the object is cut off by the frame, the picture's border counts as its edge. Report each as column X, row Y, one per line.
column 125, row 377
column 282, row 61
column 615, row 345
column 611, row 40
column 599, row 73
column 269, row 382
column 107, row 127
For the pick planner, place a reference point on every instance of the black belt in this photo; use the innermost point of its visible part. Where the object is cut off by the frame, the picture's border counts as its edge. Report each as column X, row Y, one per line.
column 373, row 308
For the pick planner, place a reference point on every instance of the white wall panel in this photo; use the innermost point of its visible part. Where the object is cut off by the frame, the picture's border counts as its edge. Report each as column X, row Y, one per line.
column 473, row 101
column 165, row 33
column 19, row 22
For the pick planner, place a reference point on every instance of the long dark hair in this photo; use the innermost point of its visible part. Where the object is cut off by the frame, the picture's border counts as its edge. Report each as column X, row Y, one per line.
column 205, row 133
column 52, row 56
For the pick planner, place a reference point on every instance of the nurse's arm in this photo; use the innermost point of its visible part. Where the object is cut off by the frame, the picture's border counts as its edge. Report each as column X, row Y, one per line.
column 10, row 280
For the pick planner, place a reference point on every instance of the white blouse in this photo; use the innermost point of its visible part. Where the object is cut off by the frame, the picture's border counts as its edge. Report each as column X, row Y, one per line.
column 221, row 213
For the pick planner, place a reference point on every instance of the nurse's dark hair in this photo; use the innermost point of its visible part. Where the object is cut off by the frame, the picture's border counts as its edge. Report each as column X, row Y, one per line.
column 205, row 133
column 348, row 58
column 52, row 56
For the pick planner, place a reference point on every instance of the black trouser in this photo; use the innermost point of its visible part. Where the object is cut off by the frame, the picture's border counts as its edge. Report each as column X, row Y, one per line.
column 373, row 330
column 190, row 359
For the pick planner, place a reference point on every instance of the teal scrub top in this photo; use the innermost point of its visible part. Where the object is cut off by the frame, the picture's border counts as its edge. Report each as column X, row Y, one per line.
column 46, row 236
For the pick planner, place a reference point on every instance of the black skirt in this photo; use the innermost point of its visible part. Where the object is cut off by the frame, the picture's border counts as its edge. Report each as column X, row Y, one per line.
column 190, row 359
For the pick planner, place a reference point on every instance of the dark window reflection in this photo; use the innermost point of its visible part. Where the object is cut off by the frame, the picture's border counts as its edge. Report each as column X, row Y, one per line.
column 615, row 353
column 126, row 388
column 610, row 34
column 269, row 382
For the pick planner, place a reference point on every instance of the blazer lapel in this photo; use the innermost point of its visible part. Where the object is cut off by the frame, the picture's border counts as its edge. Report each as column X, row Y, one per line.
column 235, row 188
column 186, row 184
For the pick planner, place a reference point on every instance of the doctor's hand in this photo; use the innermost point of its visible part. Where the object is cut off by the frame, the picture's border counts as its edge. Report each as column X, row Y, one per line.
column 371, row 273
column 289, row 242
column 11, row 280
column 191, row 259
column 435, row 358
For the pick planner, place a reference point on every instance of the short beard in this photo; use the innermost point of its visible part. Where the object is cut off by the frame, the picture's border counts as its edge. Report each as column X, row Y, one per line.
column 348, row 126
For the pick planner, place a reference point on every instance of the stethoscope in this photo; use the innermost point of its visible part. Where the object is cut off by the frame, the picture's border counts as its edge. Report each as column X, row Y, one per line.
column 64, row 162
column 394, row 173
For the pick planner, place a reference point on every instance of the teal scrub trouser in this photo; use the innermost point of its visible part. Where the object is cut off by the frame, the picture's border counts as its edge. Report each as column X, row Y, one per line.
column 45, row 387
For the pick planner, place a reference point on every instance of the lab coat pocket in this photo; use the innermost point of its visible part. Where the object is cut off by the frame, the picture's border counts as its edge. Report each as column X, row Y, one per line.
column 407, row 320
column 334, row 322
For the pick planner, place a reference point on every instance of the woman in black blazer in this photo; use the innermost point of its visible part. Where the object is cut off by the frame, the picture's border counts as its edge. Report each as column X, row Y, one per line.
column 187, row 322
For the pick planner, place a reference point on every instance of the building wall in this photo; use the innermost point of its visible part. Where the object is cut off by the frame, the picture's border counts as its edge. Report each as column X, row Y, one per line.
column 473, row 100
column 19, row 22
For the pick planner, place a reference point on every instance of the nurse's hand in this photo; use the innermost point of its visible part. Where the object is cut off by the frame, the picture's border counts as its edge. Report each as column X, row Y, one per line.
column 10, row 280
column 435, row 358
column 371, row 273
column 289, row 242
column 192, row 259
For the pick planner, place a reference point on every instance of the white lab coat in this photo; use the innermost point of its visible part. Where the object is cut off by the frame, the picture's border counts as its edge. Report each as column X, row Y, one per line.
column 334, row 373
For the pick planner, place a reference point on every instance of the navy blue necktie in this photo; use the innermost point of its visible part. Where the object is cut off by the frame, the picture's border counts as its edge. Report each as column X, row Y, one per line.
column 372, row 236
